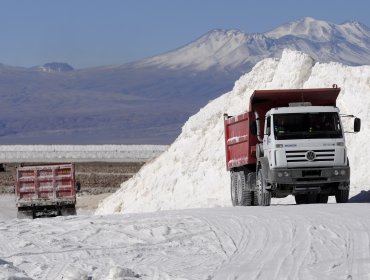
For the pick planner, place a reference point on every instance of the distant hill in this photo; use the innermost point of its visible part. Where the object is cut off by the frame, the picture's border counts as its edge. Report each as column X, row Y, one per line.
column 55, row 67
column 147, row 102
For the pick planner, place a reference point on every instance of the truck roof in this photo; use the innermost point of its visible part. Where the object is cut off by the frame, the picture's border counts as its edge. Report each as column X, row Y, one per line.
column 304, row 109
column 264, row 100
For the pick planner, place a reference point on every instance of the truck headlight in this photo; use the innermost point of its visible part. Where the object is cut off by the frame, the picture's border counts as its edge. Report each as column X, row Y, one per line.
column 342, row 172
column 286, row 174
column 280, row 174
column 336, row 172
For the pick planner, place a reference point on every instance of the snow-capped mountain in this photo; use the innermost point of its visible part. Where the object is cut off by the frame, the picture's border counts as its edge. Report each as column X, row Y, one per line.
column 321, row 31
column 232, row 50
column 55, row 67
column 218, row 48
column 147, row 102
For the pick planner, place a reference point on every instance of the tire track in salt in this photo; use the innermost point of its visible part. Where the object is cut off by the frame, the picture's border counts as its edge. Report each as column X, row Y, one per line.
column 316, row 241
column 277, row 242
column 341, row 246
column 174, row 244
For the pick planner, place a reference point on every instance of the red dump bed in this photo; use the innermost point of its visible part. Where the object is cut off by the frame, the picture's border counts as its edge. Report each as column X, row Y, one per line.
column 240, row 144
column 45, row 185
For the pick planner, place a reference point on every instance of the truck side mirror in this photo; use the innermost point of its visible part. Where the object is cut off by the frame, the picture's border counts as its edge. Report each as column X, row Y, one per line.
column 357, row 125
column 254, row 128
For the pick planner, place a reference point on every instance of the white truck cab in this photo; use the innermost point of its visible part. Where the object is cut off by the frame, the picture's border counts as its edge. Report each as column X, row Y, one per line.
column 305, row 151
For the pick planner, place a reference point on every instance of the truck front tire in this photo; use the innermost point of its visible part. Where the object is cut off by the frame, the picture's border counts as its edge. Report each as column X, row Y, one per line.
column 341, row 196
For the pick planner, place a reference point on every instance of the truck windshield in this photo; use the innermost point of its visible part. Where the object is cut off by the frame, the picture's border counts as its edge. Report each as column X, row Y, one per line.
column 307, row 126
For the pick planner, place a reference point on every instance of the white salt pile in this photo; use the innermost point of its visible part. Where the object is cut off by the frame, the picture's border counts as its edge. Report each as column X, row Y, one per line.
column 192, row 173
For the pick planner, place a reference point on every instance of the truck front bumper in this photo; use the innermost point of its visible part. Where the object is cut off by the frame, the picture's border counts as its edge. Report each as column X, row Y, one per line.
column 311, row 176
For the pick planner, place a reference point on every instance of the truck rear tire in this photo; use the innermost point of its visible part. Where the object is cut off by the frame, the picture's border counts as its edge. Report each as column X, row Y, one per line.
column 68, row 211
column 25, row 214
column 244, row 196
column 255, row 198
column 341, row 196
column 263, row 195
column 233, row 188
column 251, row 185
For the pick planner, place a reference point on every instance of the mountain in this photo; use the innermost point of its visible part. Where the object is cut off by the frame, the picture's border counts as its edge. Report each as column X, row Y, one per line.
column 55, row 67
column 147, row 102
column 233, row 50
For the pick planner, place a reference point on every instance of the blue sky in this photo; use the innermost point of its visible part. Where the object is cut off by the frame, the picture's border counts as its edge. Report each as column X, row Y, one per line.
column 88, row 33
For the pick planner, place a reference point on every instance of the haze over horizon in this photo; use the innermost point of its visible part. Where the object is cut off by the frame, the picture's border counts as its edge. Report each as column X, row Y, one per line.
column 96, row 33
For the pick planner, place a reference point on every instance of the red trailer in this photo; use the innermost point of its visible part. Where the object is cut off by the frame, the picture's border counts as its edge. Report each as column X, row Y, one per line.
column 46, row 190
column 299, row 159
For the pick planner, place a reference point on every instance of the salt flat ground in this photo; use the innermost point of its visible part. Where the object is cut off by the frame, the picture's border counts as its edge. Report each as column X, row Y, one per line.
column 317, row 241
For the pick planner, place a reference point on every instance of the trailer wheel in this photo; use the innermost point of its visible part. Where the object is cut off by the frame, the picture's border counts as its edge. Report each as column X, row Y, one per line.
column 25, row 214
column 233, row 188
column 264, row 196
column 68, row 211
column 341, row 196
column 244, row 196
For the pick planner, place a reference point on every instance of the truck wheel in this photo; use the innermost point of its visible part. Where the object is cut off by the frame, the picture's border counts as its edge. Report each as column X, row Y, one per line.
column 25, row 214
column 341, row 196
column 322, row 198
column 264, row 196
column 251, row 184
column 255, row 198
column 68, row 211
column 244, row 196
column 233, row 188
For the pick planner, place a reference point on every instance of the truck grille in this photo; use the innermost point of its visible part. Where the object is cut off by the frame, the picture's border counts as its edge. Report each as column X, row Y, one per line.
column 310, row 155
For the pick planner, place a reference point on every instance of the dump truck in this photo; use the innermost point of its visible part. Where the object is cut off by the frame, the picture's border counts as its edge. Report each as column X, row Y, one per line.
column 289, row 142
column 45, row 190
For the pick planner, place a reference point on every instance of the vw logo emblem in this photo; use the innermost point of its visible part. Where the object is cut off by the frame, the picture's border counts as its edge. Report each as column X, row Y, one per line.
column 310, row 155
